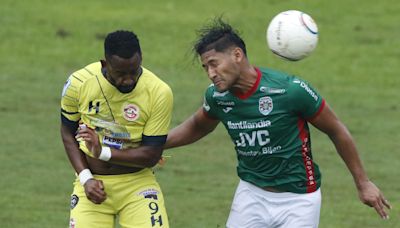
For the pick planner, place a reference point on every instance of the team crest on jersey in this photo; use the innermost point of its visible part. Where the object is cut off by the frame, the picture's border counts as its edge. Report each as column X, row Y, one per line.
column 265, row 105
column 131, row 112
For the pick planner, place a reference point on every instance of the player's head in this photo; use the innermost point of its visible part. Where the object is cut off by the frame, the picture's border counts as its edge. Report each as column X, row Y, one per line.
column 219, row 36
column 222, row 53
column 123, row 58
column 122, row 43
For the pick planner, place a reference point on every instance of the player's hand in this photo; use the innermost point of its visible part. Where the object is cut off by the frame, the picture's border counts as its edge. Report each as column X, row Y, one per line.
column 371, row 195
column 163, row 160
column 94, row 190
column 91, row 139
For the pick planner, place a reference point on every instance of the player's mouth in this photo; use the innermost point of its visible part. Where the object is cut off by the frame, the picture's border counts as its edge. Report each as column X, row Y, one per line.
column 217, row 82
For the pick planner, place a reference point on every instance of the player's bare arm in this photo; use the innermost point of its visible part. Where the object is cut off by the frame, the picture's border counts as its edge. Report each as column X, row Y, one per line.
column 191, row 130
column 369, row 194
column 140, row 157
column 94, row 189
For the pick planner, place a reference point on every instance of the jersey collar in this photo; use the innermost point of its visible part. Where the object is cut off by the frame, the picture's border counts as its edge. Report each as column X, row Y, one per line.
column 246, row 95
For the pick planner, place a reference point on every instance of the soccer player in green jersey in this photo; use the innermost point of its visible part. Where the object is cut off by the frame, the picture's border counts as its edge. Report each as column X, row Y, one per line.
column 266, row 114
column 115, row 115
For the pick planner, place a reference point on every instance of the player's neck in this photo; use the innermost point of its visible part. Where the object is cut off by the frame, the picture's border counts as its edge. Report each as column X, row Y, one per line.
column 247, row 80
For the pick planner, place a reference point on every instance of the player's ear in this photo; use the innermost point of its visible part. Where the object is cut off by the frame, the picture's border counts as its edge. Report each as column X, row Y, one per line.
column 238, row 54
column 103, row 63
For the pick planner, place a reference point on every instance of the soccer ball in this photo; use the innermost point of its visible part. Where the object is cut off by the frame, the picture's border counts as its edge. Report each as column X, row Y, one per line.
column 292, row 35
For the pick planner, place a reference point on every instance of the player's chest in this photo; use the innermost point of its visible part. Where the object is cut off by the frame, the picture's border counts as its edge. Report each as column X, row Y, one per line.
column 259, row 106
column 124, row 110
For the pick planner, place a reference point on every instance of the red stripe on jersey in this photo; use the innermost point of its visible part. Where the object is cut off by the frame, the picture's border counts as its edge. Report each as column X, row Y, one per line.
column 321, row 107
column 253, row 88
column 306, row 155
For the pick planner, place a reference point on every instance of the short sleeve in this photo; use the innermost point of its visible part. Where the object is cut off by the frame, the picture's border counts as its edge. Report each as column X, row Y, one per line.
column 70, row 99
column 161, row 113
column 208, row 103
column 305, row 100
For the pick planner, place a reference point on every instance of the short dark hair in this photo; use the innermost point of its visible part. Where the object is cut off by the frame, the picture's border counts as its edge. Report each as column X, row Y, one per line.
column 218, row 35
column 121, row 43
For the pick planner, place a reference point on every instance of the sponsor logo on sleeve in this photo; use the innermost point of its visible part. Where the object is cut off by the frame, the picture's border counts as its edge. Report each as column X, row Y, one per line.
column 306, row 88
column 205, row 105
column 66, row 85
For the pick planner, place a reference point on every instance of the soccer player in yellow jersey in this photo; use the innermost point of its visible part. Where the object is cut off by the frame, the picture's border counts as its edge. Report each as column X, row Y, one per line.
column 115, row 116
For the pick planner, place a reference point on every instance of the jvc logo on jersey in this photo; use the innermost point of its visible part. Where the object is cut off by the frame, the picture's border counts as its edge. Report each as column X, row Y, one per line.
column 95, row 107
column 260, row 136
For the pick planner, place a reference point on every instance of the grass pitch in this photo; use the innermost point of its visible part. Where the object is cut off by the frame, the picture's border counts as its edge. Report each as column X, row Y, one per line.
column 355, row 67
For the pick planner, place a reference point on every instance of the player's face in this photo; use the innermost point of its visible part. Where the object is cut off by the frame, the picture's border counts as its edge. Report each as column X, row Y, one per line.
column 223, row 68
column 123, row 73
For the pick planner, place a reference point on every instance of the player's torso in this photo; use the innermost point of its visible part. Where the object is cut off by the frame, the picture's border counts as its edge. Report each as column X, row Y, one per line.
column 262, row 124
column 119, row 118
column 271, row 139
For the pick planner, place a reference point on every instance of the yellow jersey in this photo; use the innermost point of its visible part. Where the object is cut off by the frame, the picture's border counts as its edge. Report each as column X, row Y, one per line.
column 121, row 120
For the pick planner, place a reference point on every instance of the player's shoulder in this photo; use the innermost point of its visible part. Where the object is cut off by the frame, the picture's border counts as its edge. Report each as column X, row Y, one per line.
column 153, row 82
column 77, row 79
column 85, row 74
column 300, row 88
column 275, row 75
column 213, row 95
column 149, row 76
column 282, row 77
column 275, row 79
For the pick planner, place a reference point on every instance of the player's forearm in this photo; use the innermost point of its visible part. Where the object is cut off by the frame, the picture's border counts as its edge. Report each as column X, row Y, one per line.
column 75, row 155
column 347, row 150
column 191, row 130
column 142, row 157
column 183, row 135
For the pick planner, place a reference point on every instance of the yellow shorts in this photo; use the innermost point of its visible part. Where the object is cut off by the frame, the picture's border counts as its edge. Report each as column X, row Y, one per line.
column 134, row 199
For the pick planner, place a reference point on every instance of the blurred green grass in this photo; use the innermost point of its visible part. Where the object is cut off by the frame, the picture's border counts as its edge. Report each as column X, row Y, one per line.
column 354, row 67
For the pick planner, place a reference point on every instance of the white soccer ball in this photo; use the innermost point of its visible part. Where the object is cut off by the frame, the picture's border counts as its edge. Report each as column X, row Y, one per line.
column 292, row 35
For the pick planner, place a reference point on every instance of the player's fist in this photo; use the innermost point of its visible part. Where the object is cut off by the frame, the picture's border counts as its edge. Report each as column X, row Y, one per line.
column 94, row 190
column 91, row 139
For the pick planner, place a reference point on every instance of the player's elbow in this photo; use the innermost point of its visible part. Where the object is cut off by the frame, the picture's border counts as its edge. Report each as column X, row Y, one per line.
column 152, row 161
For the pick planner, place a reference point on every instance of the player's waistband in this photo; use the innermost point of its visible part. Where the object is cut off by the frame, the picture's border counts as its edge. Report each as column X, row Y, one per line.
column 141, row 172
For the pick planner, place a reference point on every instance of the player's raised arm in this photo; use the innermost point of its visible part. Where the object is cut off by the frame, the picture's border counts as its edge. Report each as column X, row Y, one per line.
column 191, row 130
column 369, row 194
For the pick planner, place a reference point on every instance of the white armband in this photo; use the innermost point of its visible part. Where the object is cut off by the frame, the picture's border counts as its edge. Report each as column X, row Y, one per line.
column 84, row 176
column 105, row 153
